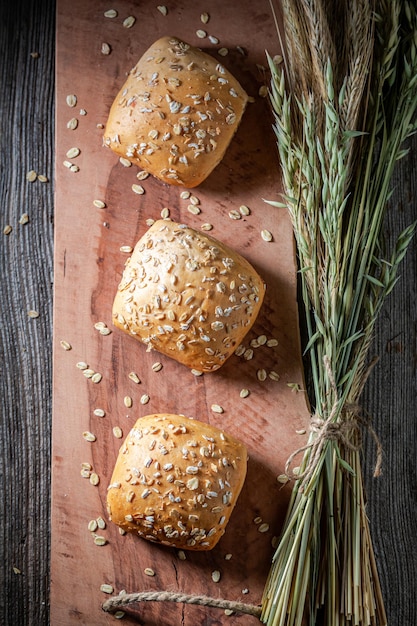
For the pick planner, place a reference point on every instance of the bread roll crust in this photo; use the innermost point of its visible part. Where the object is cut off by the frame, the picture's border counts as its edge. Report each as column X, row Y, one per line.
column 176, row 481
column 176, row 113
column 187, row 295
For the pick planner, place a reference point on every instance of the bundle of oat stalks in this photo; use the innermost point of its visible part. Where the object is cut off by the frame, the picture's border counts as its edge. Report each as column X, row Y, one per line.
column 344, row 101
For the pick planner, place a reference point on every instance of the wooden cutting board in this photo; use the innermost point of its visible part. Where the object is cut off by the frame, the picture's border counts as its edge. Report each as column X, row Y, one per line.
column 88, row 267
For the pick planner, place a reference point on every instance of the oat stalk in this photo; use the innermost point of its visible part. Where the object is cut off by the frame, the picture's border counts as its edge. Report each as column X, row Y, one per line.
column 344, row 105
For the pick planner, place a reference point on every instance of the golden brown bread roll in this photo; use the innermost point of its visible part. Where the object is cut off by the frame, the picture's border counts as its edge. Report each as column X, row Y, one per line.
column 187, row 295
column 176, row 113
column 176, row 481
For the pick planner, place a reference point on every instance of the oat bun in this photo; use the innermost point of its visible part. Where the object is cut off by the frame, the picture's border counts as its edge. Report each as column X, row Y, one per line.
column 187, row 295
column 176, row 481
column 176, row 113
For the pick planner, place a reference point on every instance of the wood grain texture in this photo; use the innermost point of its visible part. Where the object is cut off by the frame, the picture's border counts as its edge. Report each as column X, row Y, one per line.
column 26, row 142
column 88, row 266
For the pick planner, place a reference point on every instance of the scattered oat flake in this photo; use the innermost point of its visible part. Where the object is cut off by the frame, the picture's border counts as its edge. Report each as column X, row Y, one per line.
column 181, row 555
column 263, row 528
column 7, row 229
column 215, row 576
column 216, row 408
column 111, row 13
column 244, row 210
column 125, row 162
column 273, row 375
column 144, row 399
column 127, row 400
column 72, row 123
column 74, row 168
column 263, row 91
column 283, row 479
column 235, row 215
column 65, row 345
column 105, row 588
column 149, row 571
column 204, row 17
column 213, row 40
column 134, row 377
column 201, row 34
column 301, row 431
column 138, row 189
column 142, row 175
column 94, row 479
column 294, row 387
column 244, row 393
column 266, row 235
column 99, row 412
column 24, row 218
column 195, row 210
column 35, row 55
column 33, row 314
column 127, row 249
column 271, row 343
column 162, row 9
column 165, row 213
column 117, row 432
column 184, row 195
column 71, row 100
column 83, row 112
column 82, row 365
column 89, row 436
column 31, row 176
column 73, row 152
column 92, row 525
column 99, row 540
column 206, row 226
column 156, row 367
column 129, row 21
column 119, row 614
column 105, row 48
column 99, row 204
column 228, row 556
column 101, row 523
column 42, row 178
column 261, row 375
column 96, row 378
column 88, row 373
column 196, row 372
column 223, row 52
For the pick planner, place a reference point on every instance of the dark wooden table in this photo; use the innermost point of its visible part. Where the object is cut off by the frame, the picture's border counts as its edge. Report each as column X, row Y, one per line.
column 27, row 36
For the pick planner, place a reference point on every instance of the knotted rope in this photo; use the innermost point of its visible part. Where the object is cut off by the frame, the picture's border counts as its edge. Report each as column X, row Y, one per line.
column 343, row 425
column 123, row 600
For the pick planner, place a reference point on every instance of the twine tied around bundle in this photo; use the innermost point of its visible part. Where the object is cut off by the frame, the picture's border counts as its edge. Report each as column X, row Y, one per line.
column 345, row 430
column 123, row 600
